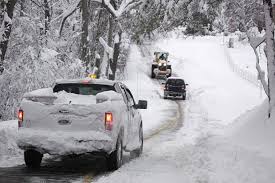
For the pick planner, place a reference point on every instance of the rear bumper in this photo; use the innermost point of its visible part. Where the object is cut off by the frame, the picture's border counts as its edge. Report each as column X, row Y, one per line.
column 173, row 93
column 65, row 143
column 162, row 72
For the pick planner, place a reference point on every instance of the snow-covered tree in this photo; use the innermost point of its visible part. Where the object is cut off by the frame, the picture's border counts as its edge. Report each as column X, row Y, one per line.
column 6, row 15
column 109, row 16
column 268, row 38
column 243, row 14
column 270, row 46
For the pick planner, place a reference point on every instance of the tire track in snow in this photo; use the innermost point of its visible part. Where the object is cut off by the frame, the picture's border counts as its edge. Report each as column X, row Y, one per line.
column 174, row 123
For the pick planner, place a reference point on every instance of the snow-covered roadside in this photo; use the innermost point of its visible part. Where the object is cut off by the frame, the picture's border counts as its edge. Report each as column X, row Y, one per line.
column 246, row 152
column 255, row 131
column 244, row 57
column 223, row 95
column 242, row 54
column 207, row 148
column 10, row 154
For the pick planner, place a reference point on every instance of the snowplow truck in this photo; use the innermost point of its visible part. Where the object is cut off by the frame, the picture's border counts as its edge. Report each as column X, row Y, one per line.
column 160, row 66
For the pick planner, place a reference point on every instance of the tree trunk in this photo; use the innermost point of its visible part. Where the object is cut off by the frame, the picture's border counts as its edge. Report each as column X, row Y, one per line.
column 22, row 7
column 113, row 62
column 84, row 35
column 110, row 31
column 6, row 9
column 47, row 15
column 116, row 55
column 110, row 41
column 270, row 52
column 100, row 25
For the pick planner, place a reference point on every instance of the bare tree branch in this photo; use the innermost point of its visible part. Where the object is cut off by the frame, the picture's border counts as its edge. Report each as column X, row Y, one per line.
column 256, row 41
column 67, row 14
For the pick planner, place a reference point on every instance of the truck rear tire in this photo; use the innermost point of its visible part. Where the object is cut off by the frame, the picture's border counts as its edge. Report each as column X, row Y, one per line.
column 32, row 158
column 169, row 67
column 152, row 72
column 184, row 96
column 114, row 161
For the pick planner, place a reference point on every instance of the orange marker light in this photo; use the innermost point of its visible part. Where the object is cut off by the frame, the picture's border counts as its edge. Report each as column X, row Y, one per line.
column 20, row 117
column 108, row 121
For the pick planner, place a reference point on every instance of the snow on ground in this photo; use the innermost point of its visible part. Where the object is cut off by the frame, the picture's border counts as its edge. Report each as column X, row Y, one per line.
column 223, row 95
column 10, row 154
column 255, row 131
column 211, row 146
column 244, row 56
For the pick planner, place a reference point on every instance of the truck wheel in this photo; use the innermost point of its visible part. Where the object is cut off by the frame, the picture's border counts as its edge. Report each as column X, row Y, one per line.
column 32, row 158
column 137, row 152
column 184, row 96
column 169, row 67
column 114, row 161
column 152, row 72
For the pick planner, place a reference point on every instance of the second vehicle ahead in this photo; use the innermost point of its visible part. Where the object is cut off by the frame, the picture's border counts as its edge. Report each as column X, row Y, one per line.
column 175, row 87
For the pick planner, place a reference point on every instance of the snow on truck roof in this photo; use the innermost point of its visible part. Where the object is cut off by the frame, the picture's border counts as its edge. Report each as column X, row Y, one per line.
column 87, row 81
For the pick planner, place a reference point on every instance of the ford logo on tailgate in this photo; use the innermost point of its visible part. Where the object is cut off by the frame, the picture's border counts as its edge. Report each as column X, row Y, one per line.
column 64, row 122
column 64, row 111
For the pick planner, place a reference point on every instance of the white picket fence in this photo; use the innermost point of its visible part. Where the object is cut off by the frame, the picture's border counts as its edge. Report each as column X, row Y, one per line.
column 244, row 74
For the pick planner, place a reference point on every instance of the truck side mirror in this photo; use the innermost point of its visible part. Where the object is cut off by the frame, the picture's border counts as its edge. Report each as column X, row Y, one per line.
column 142, row 104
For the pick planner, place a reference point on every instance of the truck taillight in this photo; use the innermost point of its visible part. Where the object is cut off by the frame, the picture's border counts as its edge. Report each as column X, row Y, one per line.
column 20, row 117
column 108, row 121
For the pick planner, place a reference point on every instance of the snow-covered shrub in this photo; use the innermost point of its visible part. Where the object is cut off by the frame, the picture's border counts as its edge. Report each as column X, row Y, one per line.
column 8, row 135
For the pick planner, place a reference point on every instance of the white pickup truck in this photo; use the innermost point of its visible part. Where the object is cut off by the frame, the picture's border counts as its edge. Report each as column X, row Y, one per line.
column 80, row 116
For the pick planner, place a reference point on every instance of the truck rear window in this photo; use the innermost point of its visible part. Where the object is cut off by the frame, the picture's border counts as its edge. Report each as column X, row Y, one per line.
column 175, row 82
column 83, row 89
